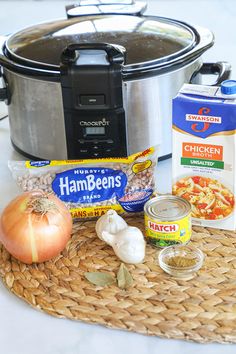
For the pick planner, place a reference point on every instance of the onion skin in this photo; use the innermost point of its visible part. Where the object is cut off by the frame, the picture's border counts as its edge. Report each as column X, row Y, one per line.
column 33, row 237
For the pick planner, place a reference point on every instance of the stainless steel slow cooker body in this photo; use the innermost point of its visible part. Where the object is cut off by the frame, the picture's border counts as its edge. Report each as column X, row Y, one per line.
column 33, row 88
column 37, row 116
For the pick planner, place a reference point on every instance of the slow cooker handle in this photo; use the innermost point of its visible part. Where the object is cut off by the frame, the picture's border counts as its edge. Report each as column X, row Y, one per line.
column 222, row 68
column 113, row 7
column 115, row 53
column 4, row 92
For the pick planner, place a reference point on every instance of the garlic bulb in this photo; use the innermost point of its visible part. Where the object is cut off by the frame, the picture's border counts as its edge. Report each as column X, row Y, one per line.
column 110, row 222
column 128, row 244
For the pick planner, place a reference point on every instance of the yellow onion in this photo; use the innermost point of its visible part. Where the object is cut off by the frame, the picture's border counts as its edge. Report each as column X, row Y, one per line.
column 35, row 227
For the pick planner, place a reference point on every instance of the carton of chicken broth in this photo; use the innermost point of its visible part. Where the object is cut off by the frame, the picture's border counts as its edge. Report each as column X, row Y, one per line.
column 204, row 154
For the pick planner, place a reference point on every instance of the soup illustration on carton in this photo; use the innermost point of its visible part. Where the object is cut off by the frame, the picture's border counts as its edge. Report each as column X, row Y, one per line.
column 204, row 152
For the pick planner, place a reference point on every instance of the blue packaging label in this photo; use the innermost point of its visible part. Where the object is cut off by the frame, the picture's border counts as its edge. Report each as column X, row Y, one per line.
column 39, row 163
column 203, row 117
column 89, row 185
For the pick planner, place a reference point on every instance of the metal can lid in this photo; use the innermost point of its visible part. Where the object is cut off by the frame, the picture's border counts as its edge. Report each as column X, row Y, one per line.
column 167, row 208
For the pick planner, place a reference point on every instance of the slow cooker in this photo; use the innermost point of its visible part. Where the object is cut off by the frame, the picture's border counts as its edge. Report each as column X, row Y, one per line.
column 99, row 83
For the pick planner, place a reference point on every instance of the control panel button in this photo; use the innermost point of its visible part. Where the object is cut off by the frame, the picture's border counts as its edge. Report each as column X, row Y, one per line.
column 92, row 100
column 81, row 141
column 83, row 151
column 110, row 141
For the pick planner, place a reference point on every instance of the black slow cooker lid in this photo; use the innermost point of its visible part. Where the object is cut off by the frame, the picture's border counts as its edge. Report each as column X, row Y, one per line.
column 147, row 40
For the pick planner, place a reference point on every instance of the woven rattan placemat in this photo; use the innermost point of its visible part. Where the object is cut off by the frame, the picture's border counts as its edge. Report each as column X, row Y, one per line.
column 202, row 309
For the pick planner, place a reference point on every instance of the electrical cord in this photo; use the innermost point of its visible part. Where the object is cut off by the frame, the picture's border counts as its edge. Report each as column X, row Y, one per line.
column 3, row 117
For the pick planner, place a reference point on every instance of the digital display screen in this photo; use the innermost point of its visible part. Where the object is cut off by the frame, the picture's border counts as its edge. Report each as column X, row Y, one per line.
column 95, row 130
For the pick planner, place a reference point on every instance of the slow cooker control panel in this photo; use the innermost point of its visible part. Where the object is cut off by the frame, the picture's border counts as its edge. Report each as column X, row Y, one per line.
column 97, row 134
column 95, row 121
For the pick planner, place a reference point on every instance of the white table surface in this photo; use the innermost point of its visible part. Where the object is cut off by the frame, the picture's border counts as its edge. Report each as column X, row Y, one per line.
column 24, row 330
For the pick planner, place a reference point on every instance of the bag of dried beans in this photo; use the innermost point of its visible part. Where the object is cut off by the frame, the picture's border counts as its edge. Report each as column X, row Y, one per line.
column 90, row 187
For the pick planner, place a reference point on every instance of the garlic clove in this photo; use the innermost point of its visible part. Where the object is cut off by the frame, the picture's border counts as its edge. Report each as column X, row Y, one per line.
column 128, row 244
column 108, row 238
column 131, row 254
column 111, row 222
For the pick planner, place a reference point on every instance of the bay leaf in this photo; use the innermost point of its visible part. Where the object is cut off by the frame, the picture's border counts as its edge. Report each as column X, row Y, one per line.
column 124, row 278
column 99, row 278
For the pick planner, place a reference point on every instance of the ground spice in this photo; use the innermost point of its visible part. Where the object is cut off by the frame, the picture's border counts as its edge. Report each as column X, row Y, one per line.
column 178, row 261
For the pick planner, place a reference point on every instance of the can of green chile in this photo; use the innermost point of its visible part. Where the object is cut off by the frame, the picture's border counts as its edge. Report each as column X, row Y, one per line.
column 167, row 221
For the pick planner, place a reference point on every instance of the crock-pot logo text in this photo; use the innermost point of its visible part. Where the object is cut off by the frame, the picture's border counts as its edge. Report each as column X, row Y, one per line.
column 96, row 123
column 203, row 120
column 89, row 185
column 163, row 228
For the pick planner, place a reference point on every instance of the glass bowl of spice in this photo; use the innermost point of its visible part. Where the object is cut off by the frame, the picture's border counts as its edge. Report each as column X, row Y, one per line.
column 181, row 261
